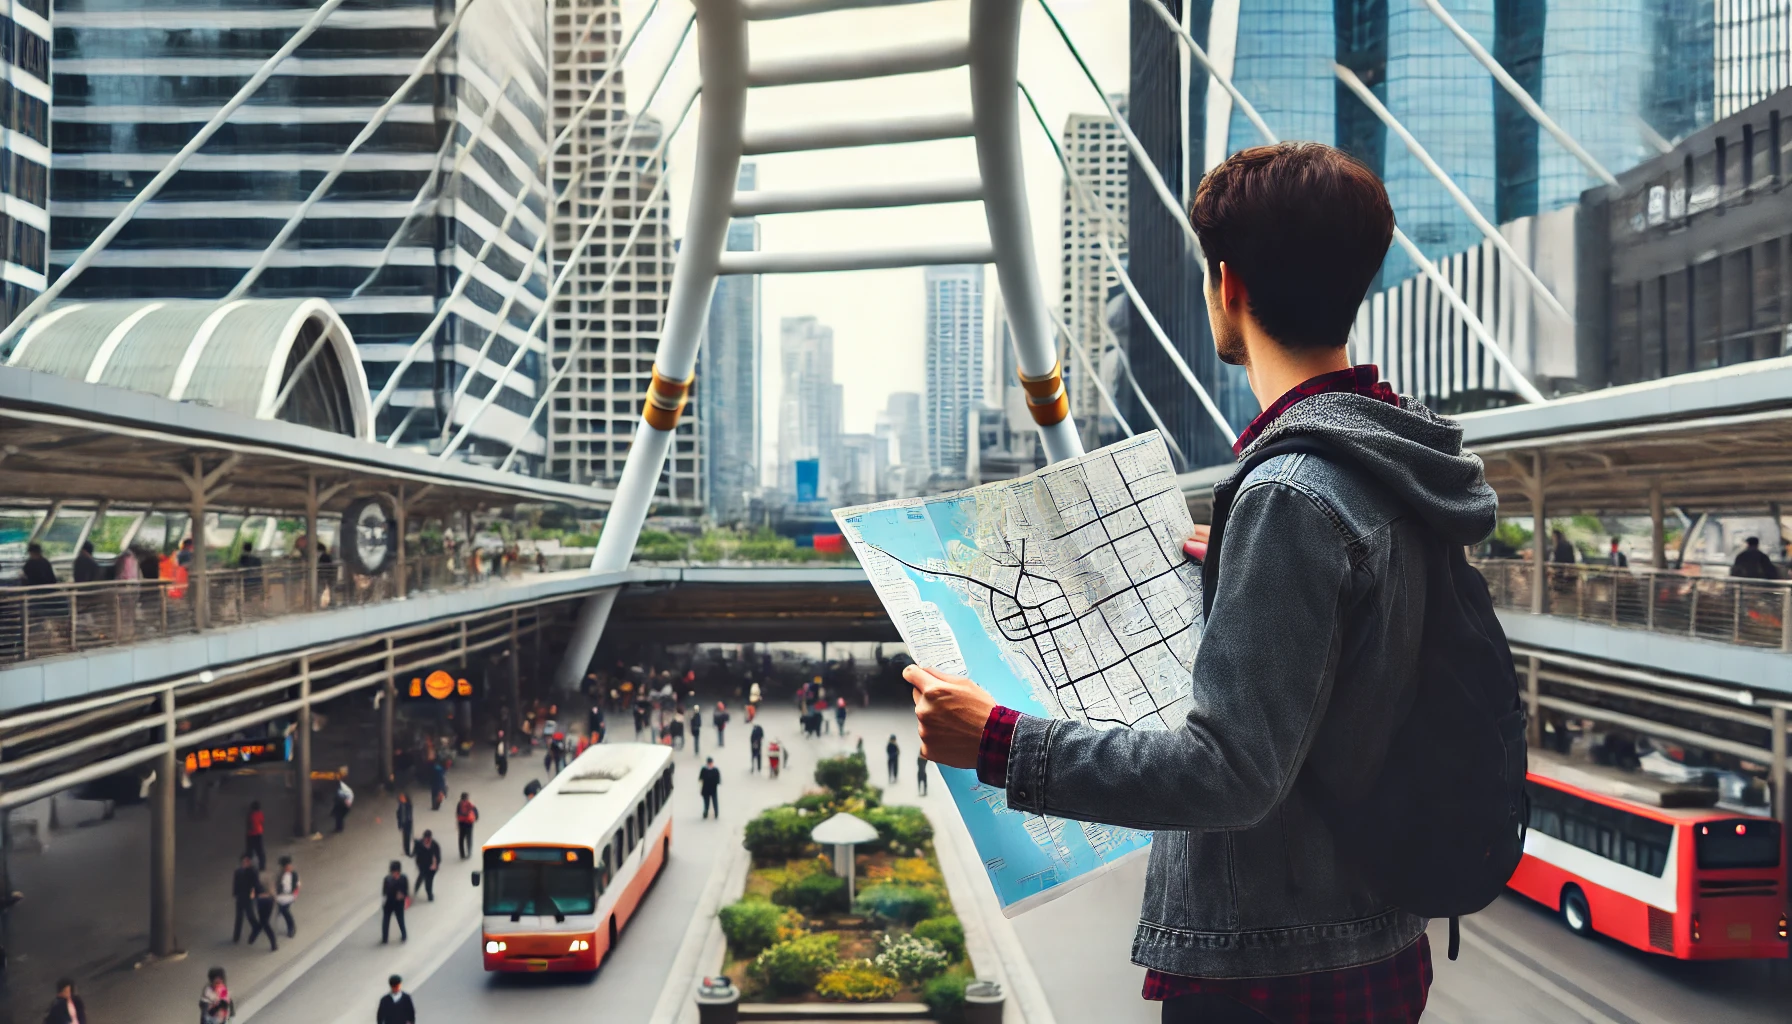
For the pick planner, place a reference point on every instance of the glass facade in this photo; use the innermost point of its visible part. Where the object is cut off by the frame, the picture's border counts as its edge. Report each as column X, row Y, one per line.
column 137, row 79
column 1098, row 156
column 731, row 359
column 1753, row 51
column 954, row 366
column 24, row 154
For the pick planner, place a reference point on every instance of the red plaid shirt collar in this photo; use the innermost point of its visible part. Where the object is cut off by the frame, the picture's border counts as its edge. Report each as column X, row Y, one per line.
column 1364, row 379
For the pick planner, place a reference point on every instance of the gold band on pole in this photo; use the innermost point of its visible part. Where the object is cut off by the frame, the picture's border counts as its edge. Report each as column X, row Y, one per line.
column 665, row 400
column 1047, row 400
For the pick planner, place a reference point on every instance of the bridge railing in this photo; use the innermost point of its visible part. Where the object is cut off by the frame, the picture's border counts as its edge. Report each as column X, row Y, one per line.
column 1752, row 613
column 68, row 618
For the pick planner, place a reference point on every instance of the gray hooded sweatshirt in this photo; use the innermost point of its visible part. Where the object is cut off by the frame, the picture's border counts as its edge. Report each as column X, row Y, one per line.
column 1306, row 667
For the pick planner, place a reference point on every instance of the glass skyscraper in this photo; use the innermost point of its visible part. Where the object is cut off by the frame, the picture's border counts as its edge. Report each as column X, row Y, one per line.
column 729, row 370
column 25, row 155
column 136, row 78
column 954, row 366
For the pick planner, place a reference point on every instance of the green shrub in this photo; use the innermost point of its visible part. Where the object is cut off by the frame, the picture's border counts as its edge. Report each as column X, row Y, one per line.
column 944, row 996
column 842, row 775
column 947, row 931
column 911, row 959
column 814, row 893
column 819, row 804
column 780, row 833
column 795, row 966
column 900, row 829
column 902, row 904
column 754, row 924
column 856, row 983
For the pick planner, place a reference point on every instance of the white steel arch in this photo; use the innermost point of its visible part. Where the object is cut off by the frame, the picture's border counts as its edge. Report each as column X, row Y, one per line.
column 992, row 54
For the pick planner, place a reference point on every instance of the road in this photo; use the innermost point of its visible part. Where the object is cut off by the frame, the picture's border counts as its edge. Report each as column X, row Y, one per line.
column 1518, row 963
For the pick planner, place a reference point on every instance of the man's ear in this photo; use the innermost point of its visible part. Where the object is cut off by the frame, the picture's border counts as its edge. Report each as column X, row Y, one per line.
column 1233, row 296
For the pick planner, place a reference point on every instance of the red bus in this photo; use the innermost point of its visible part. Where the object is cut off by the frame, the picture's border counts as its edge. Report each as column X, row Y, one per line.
column 564, row 876
column 1651, row 864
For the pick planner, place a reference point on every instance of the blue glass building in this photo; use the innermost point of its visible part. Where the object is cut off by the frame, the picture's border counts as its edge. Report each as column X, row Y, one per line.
column 24, row 155
column 731, row 360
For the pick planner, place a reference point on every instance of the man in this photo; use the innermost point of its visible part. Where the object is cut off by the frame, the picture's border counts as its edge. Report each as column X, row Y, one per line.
column 264, row 913
column 840, row 715
column 1563, row 552
column 594, row 720
column 87, row 570
column 286, row 893
column 1753, row 564
column 66, row 1008
column 438, row 784
column 709, row 777
column 242, row 890
column 892, row 754
column 720, row 718
column 754, row 739
column 254, row 829
column 37, row 572
column 921, row 771
column 184, row 557
column 696, row 731
column 428, row 855
column 1616, row 558
column 500, row 756
column 532, row 787
column 406, row 817
column 465, row 814
column 345, row 801
column 1311, row 644
column 248, row 559
column 396, row 1006
column 395, row 895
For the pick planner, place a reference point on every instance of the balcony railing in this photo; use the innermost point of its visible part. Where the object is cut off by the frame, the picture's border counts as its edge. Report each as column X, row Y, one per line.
column 1753, row 613
column 67, row 618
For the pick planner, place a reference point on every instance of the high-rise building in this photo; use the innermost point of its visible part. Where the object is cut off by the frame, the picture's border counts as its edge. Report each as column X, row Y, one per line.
column 810, row 406
column 25, row 156
column 1753, row 51
column 730, row 373
column 611, row 336
column 906, row 429
column 1099, row 158
column 136, row 83
column 954, row 365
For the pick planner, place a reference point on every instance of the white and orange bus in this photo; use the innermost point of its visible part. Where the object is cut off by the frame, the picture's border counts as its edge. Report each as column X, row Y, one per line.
column 1652, row 864
column 564, row 876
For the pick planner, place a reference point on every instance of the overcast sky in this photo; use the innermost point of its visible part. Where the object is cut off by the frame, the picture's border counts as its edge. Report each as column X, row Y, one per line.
column 877, row 316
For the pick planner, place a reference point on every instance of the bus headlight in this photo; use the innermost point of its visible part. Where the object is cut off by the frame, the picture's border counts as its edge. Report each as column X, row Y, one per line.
column 495, row 946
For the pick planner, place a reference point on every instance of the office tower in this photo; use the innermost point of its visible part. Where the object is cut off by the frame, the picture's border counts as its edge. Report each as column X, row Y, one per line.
column 809, row 407
column 1098, row 156
column 1753, row 51
column 612, row 336
column 865, row 462
column 730, row 373
column 907, row 430
column 139, row 82
column 25, row 156
column 1679, row 85
column 954, row 365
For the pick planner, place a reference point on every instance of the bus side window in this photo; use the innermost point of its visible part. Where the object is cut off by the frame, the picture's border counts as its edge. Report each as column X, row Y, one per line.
column 602, row 872
column 641, row 819
column 631, row 835
column 619, row 849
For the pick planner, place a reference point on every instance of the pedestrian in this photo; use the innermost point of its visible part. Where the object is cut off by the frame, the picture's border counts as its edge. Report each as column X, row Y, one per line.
column 1752, row 563
column 709, row 777
column 253, row 828
column 840, row 715
column 677, row 727
column 921, row 774
column 1563, row 551
column 396, row 1006
column 87, row 569
column 428, row 855
column 753, row 695
column 775, row 754
column 529, row 790
column 754, row 739
column 438, row 783
column 242, row 890
column 721, row 719
column 821, row 716
column 67, row 1007
column 286, row 893
column 215, row 1006
column 407, row 817
column 696, row 730
column 594, row 718
column 1616, row 558
column 345, row 800
column 465, row 814
column 557, row 750
column 501, row 754
column 264, row 913
column 892, row 753
column 395, row 895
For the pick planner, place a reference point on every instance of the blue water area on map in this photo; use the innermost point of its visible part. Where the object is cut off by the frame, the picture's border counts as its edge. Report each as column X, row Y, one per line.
column 1018, row 865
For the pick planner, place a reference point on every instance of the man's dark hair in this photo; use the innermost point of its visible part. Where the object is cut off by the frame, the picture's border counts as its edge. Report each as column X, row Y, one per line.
column 1305, row 227
column 395, row 866
column 1753, row 542
column 394, row 980
column 34, row 550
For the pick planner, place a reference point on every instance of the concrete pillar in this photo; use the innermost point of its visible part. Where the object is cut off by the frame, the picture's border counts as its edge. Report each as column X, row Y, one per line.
column 1658, row 535
column 388, row 710
column 198, row 586
column 303, row 751
column 162, row 940
column 1539, row 536
column 49, row 520
column 311, row 503
column 1533, row 690
column 1780, row 768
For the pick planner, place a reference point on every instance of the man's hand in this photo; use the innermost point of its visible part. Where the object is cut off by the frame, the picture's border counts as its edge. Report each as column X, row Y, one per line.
column 951, row 711
column 1195, row 546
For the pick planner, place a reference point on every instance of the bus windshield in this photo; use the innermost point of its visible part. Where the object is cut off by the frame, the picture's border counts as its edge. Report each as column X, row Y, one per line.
column 539, row 880
column 1741, row 843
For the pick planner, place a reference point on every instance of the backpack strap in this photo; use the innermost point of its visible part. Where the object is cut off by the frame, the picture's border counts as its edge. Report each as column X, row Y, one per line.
column 1226, row 490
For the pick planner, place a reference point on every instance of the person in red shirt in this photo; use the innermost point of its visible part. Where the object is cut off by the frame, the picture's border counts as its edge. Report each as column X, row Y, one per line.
column 465, row 814
column 253, row 830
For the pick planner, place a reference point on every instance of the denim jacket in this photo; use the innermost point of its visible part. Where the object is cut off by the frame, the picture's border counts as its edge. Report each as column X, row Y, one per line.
column 1306, row 666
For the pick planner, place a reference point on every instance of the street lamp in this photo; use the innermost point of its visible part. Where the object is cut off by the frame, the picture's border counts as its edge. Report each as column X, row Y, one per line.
column 844, row 831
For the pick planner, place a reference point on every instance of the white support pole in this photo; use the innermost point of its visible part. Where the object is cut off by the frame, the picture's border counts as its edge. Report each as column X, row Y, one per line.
column 1139, row 393
column 1089, row 368
column 995, row 56
column 722, row 52
column 1467, row 205
column 163, row 176
column 1518, row 92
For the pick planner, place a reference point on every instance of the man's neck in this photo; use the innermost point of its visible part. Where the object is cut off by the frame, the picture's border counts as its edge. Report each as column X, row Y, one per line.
column 1274, row 369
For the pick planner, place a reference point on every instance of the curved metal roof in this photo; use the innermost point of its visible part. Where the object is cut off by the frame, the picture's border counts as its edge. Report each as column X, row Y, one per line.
column 273, row 359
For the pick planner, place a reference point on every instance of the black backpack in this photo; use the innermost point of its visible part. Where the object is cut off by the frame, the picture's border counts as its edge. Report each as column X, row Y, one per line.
column 1441, row 830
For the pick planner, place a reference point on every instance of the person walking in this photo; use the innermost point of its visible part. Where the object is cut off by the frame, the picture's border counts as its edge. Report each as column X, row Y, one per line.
column 395, row 895
column 465, row 814
column 754, row 739
column 286, row 893
column 594, row 718
column 264, row 913
column 396, row 1006
column 253, row 828
column 406, row 816
column 921, row 774
column 696, row 730
column 66, row 1008
column 775, row 754
column 242, row 890
column 438, row 783
column 500, row 756
column 893, row 754
column 215, row 1006
column 709, row 778
column 840, row 715
column 345, row 800
column 677, row 727
column 428, row 855
column 86, row 568
column 721, row 719
column 1752, row 563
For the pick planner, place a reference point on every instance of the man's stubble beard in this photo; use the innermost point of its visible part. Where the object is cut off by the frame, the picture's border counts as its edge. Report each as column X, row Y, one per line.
column 1228, row 340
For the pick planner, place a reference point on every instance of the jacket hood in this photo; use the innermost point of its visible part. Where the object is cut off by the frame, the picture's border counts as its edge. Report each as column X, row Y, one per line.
column 1414, row 452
